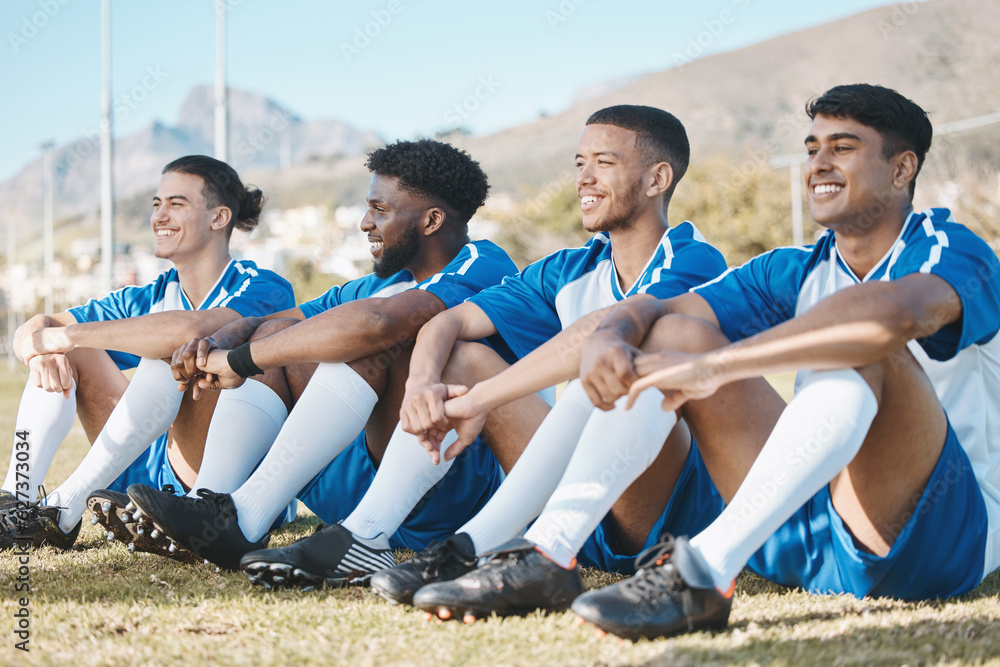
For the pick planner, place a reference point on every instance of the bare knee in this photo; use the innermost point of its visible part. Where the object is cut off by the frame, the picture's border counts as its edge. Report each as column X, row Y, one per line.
column 470, row 363
column 682, row 333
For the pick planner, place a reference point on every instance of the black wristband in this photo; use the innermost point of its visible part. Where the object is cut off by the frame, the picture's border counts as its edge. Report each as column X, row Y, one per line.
column 242, row 363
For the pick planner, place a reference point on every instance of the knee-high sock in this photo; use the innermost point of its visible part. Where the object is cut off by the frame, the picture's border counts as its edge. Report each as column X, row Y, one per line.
column 146, row 410
column 45, row 419
column 615, row 448
column 329, row 415
column 817, row 436
column 536, row 474
column 245, row 423
column 404, row 476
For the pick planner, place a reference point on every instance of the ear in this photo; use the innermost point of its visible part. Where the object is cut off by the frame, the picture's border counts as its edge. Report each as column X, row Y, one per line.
column 223, row 215
column 661, row 177
column 433, row 220
column 905, row 170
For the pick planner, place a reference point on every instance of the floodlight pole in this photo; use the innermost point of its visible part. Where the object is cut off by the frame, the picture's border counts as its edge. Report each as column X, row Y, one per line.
column 221, row 101
column 107, row 171
column 48, row 198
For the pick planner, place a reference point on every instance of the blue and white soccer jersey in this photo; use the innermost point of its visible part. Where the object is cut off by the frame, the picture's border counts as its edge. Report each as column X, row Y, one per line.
column 952, row 539
column 338, row 488
column 241, row 286
column 532, row 307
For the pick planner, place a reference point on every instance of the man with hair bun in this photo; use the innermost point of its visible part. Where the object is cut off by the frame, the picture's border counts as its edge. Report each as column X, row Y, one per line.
column 341, row 361
column 76, row 358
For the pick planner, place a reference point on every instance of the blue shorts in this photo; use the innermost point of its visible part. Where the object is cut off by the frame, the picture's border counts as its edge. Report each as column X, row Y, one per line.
column 153, row 468
column 693, row 505
column 472, row 480
column 939, row 550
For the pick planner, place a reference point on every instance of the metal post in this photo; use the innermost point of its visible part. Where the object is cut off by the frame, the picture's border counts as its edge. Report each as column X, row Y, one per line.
column 107, row 173
column 221, row 101
column 48, row 185
column 11, row 315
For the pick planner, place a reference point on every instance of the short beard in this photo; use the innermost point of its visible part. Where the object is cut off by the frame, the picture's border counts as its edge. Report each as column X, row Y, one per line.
column 398, row 257
column 625, row 219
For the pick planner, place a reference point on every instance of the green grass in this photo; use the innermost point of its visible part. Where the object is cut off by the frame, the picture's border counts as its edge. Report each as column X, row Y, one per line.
column 98, row 605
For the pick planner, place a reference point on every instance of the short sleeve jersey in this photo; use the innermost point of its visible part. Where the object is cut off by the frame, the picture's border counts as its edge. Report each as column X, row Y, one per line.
column 241, row 286
column 477, row 265
column 962, row 360
column 552, row 293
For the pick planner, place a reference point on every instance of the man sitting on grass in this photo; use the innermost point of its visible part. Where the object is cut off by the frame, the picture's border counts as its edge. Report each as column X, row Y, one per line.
column 76, row 358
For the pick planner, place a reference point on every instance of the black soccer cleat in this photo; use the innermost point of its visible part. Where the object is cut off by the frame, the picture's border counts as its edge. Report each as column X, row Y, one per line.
column 207, row 526
column 332, row 556
column 8, row 502
column 671, row 593
column 123, row 522
column 518, row 580
column 35, row 524
column 441, row 561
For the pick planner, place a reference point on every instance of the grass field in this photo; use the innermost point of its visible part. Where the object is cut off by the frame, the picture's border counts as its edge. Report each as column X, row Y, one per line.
column 99, row 605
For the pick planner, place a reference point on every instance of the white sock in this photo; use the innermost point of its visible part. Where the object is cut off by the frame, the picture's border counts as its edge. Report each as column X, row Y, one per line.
column 245, row 423
column 536, row 474
column 817, row 436
column 404, row 476
column 146, row 409
column 615, row 448
column 44, row 418
column 329, row 415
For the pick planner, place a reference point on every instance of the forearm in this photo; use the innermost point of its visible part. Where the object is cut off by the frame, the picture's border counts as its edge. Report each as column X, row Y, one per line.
column 155, row 335
column 349, row 331
column 849, row 329
column 555, row 361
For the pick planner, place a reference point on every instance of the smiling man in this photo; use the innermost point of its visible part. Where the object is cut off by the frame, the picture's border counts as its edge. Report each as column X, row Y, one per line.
column 76, row 357
column 421, row 198
column 629, row 161
column 880, row 476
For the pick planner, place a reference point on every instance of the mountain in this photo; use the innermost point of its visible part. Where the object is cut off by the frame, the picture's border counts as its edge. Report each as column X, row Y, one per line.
column 262, row 133
column 749, row 102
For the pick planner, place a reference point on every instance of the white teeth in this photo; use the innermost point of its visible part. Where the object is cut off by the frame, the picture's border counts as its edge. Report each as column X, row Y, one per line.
column 165, row 232
column 589, row 199
column 376, row 245
column 827, row 188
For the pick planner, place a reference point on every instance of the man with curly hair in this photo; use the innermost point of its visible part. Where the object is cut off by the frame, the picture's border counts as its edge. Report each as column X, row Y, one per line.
column 421, row 197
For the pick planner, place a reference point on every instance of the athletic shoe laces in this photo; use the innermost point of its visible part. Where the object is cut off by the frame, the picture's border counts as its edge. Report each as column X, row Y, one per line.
column 652, row 582
column 440, row 557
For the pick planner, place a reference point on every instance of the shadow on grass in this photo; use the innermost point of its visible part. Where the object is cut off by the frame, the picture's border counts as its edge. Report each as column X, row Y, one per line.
column 909, row 642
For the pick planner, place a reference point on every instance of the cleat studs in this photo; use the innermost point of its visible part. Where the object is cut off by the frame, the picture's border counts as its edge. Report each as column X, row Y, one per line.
column 137, row 515
column 205, row 561
column 277, row 580
column 140, row 530
column 444, row 614
column 106, row 506
column 428, row 616
column 131, row 547
column 126, row 516
column 111, row 537
column 154, row 534
column 172, row 548
column 218, row 569
column 469, row 619
column 130, row 507
column 600, row 634
column 580, row 621
column 94, row 520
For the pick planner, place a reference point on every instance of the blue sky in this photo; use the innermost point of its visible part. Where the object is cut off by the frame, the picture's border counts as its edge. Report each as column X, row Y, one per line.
column 399, row 67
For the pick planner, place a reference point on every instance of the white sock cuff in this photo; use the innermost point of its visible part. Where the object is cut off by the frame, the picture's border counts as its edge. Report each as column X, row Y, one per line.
column 260, row 395
column 341, row 381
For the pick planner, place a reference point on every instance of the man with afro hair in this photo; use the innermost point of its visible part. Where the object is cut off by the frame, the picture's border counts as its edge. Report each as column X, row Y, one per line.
column 337, row 362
